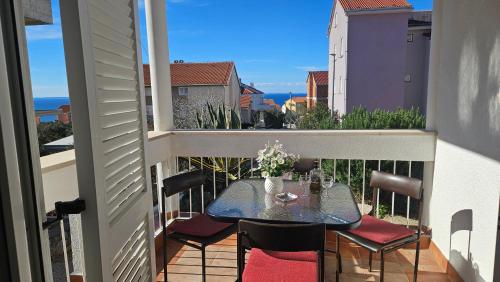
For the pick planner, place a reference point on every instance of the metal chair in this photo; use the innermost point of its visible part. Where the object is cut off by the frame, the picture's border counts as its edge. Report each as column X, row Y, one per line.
column 200, row 229
column 378, row 235
column 281, row 252
column 304, row 166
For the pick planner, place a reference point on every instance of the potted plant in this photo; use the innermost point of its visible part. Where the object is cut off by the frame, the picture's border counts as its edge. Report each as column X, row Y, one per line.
column 274, row 161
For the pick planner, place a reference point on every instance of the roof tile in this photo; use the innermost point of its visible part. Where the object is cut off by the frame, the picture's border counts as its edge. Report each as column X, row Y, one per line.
column 183, row 74
column 321, row 77
column 354, row 5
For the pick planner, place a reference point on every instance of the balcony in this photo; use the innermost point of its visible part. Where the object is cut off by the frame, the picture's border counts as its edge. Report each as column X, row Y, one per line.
column 398, row 151
column 457, row 159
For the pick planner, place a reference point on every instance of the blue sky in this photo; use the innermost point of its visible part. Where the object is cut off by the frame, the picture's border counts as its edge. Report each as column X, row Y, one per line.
column 273, row 42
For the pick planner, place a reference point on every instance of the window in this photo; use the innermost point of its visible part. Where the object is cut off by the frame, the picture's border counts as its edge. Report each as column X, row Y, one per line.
column 341, row 53
column 183, row 91
column 335, row 20
column 409, row 37
column 340, row 85
column 408, row 78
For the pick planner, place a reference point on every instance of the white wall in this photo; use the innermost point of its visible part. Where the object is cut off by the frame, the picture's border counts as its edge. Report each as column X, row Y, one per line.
column 464, row 107
column 233, row 91
column 337, row 69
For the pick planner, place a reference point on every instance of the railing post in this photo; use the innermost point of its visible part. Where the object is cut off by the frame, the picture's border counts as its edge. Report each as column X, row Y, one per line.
column 427, row 184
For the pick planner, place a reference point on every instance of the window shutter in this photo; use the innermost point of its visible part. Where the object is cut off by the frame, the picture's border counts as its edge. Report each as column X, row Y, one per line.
column 105, row 84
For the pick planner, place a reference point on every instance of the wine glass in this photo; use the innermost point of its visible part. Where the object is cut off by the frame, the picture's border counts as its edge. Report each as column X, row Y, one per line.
column 304, row 180
column 327, row 184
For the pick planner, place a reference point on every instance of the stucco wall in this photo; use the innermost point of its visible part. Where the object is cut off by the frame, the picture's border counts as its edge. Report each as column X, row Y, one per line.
column 417, row 66
column 464, row 108
column 234, row 92
column 376, row 60
column 337, row 69
column 37, row 12
column 185, row 107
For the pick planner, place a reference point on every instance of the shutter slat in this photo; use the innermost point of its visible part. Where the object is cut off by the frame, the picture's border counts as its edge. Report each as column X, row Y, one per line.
column 113, row 71
column 113, row 59
column 111, row 108
column 116, row 95
column 119, row 205
column 119, row 130
column 113, row 144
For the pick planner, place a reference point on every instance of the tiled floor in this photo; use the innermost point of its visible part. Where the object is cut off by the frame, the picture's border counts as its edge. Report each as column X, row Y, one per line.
column 185, row 266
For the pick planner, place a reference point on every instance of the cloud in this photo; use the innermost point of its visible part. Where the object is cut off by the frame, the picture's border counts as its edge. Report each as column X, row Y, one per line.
column 37, row 33
column 310, row 68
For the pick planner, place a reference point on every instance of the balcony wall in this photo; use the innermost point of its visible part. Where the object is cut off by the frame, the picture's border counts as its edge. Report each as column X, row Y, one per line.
column 464, row 108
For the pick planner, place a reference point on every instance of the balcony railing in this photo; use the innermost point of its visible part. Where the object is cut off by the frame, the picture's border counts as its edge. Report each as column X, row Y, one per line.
column 346, row 154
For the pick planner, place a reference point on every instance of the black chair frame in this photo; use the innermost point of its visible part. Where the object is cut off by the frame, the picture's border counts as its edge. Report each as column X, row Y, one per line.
column 280, row 237
column 402, row 185
column 177, row 184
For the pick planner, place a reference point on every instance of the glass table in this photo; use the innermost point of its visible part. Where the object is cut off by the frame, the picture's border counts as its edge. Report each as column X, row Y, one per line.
column 247, row 199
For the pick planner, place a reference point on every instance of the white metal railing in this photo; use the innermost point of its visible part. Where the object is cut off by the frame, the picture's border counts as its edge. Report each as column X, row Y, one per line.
column 364, row 149
column 399, row 147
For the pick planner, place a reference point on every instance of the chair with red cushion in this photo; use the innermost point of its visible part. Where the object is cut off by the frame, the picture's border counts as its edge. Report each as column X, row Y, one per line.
column 200, row 230
column 279, row 252
column 378, row 235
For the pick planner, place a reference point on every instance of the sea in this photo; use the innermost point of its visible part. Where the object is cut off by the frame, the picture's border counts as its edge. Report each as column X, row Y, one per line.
column 52, row 103
column 280, row 98
column 49, row 103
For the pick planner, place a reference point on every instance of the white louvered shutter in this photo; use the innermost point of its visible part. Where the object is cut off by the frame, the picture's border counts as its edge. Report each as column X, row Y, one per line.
column 104, row 76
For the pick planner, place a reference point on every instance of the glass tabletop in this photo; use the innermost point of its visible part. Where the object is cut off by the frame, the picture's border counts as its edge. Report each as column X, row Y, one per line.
column 247, row 199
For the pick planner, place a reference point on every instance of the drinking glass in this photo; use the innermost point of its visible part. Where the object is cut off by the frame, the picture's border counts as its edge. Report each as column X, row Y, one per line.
column 327, row 184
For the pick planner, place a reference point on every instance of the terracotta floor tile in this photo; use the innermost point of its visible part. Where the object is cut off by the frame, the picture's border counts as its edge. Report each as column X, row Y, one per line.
column 221, row 264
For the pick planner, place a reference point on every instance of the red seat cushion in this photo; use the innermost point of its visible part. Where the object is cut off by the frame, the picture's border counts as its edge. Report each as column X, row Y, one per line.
column 270, row 266
column 198, row 226
column 380, row 231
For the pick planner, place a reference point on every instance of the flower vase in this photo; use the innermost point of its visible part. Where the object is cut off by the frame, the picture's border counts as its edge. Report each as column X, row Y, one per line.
column 273, row 185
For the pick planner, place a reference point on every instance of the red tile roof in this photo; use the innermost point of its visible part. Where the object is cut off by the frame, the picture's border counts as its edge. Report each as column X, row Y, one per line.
column 299, row 99
column 245, row 101
column 321, row 77
column 360, row 5
column 183, row 74
column 271, row 102
column 350, row 5
column 249, row 89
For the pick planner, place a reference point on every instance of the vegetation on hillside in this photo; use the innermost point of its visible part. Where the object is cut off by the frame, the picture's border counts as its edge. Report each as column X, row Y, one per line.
column 321, row 117
column 351, row 171
column 51, row 131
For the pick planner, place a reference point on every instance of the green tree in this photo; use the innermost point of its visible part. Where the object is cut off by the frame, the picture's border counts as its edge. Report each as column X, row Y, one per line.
column 319, row 117
column 51, row 131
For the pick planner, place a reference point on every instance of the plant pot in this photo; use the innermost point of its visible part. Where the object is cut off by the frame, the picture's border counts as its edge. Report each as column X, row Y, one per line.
column 273, row 185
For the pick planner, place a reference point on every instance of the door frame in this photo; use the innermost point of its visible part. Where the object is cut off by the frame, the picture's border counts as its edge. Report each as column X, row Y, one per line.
column 22, row 202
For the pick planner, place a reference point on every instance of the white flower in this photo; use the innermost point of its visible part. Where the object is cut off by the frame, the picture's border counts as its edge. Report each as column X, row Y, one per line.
column 281, row 161
column 265, row 174
column 273, row 164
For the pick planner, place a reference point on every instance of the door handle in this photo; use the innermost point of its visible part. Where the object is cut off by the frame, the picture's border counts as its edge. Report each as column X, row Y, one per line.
column 64, row 208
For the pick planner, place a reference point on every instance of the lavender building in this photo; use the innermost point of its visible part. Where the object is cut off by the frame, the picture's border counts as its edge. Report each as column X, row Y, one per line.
column 379, row 55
